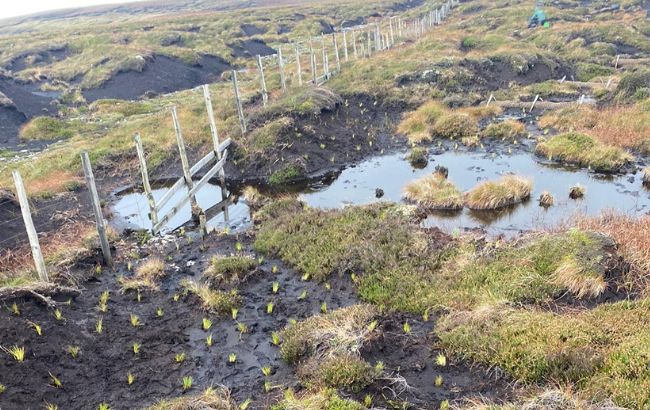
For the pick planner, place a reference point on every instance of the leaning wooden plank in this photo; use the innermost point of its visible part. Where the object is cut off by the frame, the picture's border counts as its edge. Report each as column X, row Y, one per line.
column 192, row 192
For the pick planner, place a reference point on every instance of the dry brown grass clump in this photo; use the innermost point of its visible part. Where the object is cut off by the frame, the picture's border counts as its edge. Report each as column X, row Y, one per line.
column 417, row 125
column 434, row 192
column 579, row 280
column 623, row 127
column 147, row 275
column 215, row 301
column 455, row 126
column 328, row 335
column 553, row 399
column 546, row 199
column 506, row 130
column 211, row 399
column 630, row 233
column 508, row 190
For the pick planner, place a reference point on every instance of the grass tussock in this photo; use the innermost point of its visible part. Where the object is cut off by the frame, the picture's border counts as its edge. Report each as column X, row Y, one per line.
column 434, row 191
column 230, row 270
column 418, row 124
column 506, row 130
column 584, row 150
column 508, row 190
column 210, row 399
column 551, row 399
column 147, row 275
column 347, row 371
column 418, row 157
column 329, row 335
column 646, row 175
column 215, row 301
column 321, row 399
column 455, row 126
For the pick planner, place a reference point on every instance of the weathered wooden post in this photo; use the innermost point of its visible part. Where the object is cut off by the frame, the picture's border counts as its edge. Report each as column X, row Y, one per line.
column 392, row 36
column 618, row 57
column 377, row 40
column 31, row 230
column 354, row 44
column 326, row 68
column 534, row 102
column 153, row 213
column 281, row 65
column 240, row 110
column 313, row 69
column 298, row 65
column 369, row 46
column 336, row 53
column 489, row 100
column 345, row 46
column 363, row 51
column 97, row 209
column 184, row 163
column 260, row 68
column 215, row 139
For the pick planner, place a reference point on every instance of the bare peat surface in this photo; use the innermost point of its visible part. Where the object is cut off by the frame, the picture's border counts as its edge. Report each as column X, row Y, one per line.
column 251, row 30
column 105, row 359
column 48, row 215
column 161, row 75
column 251, row 48
column 414, row 357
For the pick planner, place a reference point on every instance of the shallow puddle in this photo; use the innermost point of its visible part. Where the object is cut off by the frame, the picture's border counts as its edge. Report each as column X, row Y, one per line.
column 357, row 185
column 133, row 210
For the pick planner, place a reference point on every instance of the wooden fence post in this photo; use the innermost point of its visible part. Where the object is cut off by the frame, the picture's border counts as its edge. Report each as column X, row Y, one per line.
column 215, row 138
column 363, row 51
column 281, row 65
column 97, row 209
column 240, row 110
column 534, row 102
column 354, row 44
column 184, row 163
column 336, row 53
column 153, row 214
column 370, row 46
column 326, row 68
column 313, row 69
column 31, row 230
column 298, row 65
column 260, row 68
column 377, row 40
column 345, row 46
column 392, row 36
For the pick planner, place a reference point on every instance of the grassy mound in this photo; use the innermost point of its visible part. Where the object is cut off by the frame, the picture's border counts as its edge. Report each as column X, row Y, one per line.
column 417, row 125
column 601, row 350
column 210, row 399
column 228, row 270
column 508, row 190
column 506, row 130
column 584, row 150
column 326, row 347
column 455, row 126
column 434, row 192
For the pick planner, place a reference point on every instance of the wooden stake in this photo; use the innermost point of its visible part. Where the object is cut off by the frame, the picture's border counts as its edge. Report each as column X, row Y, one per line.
column 345, row 46
column 336, row 53
column 313, row 69
column 489, row 100
column 153, row 213
column 534, row 102
column 260, row 68
column 97, row 209
column 392, row 36
column 215, row 137
column 369, row 46
column 618, row 57
column 281, row 65
column 181, row 151
column 377, row 41
column 240, row 110
column 298, row 65
column 363, row 51
column 354, row 44
column 326, row 67
column 31, row 230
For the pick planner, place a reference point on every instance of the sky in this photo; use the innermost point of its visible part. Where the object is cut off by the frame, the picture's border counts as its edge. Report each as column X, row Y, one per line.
column 13, row 8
